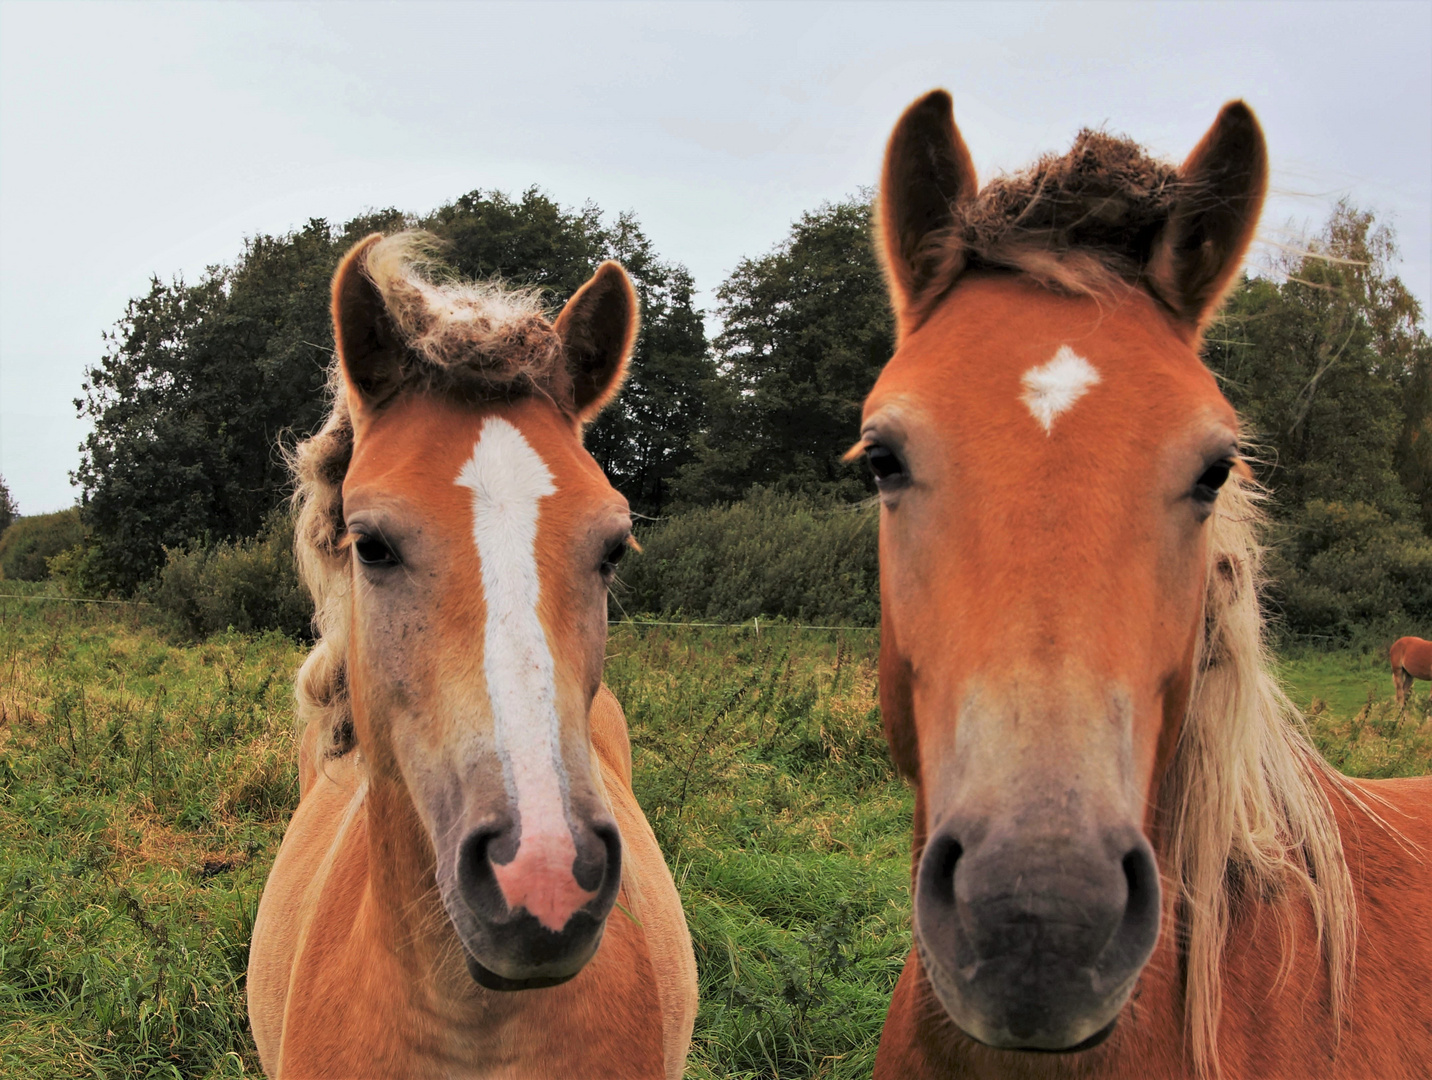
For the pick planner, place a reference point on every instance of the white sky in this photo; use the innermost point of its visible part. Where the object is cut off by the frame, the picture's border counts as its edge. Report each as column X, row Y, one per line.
column 152, row 138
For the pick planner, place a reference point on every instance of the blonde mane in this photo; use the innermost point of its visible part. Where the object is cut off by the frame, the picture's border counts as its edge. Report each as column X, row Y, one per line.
column 469, row 340
column 1246, row 803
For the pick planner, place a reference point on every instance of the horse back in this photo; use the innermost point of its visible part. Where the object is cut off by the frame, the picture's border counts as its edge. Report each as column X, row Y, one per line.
column 1412, row 655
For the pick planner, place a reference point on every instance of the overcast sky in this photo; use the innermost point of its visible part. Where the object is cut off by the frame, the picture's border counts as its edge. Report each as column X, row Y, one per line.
column 152, row 138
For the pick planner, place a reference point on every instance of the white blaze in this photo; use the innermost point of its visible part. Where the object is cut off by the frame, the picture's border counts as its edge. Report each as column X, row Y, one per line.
column 508, row 480
column 1052, row 389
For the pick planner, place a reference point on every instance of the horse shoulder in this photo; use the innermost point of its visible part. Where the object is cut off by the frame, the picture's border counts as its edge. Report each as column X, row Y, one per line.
column 609, row 735
column 291, row 895
column 1391, row 863
column 1386, row 1028
column 653, row 906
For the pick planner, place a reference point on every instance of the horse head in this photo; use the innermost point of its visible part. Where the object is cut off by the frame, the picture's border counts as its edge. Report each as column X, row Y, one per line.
column 478, row 539
column 1049, row 451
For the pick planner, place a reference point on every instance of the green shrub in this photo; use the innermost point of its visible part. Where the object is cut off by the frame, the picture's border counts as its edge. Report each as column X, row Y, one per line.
column 248, row 585
column 1345, row 568
column 26, row 545
column 74, row 570
column 770, row 555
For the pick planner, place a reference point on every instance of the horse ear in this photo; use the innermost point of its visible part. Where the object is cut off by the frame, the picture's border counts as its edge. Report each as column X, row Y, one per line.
column 1222, row 185
column 928, row 172
column 369, row 350
column 598, row 329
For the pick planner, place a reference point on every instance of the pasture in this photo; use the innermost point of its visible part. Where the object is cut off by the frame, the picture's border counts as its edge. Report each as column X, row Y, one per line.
column 144, row 787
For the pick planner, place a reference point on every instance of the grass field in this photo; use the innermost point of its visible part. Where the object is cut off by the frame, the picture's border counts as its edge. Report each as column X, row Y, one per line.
column 144, row 788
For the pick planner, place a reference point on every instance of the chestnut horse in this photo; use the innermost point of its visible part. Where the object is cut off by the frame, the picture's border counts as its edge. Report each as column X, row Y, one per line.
column 1411, row 659
column 442, row 902
column 1129, row 861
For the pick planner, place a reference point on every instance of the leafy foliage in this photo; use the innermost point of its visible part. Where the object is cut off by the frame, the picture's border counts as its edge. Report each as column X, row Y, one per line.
column 27, row 546
column 778, row 555
column 807, row 329
column 196, row 387
column 244, row 585
column 1348, row 569
column 1329, row 365
column 1325, row 357
column 200, row 383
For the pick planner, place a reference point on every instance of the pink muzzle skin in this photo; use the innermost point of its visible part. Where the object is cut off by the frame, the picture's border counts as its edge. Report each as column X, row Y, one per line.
column 541, row 880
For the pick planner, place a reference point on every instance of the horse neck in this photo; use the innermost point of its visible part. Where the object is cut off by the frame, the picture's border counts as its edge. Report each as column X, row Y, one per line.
column 401, row 905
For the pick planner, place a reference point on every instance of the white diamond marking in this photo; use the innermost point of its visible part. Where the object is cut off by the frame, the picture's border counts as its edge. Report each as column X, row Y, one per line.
column 1052, row 389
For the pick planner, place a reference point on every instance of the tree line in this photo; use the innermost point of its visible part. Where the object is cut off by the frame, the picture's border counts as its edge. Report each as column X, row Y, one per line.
column 201, row 386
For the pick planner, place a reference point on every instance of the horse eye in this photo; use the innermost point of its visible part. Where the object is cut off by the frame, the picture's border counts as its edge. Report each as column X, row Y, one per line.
column 889, row 470
column 613, row 556
column 1205, row 489
column 373, row 552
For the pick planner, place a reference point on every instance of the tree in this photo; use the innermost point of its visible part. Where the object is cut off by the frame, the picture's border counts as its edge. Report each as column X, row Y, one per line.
column 197, row 386
column 1328, row 363
column 646, row 436
column 200, row 384
column 8, row 510
column 807, row 329
column 29, row 544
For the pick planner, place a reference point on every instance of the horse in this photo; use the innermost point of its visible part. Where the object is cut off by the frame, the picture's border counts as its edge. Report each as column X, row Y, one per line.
column 1411, row 659
column 1128, row 859
column 442, row 902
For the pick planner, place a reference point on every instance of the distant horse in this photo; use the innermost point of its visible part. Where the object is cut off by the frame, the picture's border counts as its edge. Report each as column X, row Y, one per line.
column 1127, row 854
column 442, row 903
column 1411, row 659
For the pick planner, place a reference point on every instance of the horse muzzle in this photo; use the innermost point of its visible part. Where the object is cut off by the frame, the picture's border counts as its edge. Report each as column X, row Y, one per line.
column 1033, row 937
column 531, row 911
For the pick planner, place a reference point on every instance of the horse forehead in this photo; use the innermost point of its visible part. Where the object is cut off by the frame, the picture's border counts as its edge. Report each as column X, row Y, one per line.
column 423, row 447
column 1042, row 370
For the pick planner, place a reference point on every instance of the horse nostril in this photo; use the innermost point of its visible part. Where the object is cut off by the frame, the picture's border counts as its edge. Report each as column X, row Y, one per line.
column 596, row 861
column 1141, row 877
column 937, row 875
column 1138, row 928
column 475, row 876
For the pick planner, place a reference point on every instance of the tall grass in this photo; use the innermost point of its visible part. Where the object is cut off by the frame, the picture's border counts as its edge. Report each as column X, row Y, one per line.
column 760, row 763
column 143, row 794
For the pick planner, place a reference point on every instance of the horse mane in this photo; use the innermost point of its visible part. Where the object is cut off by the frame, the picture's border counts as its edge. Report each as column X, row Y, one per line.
column 1080, row 222
column 1246, row 803
column 467, row 340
